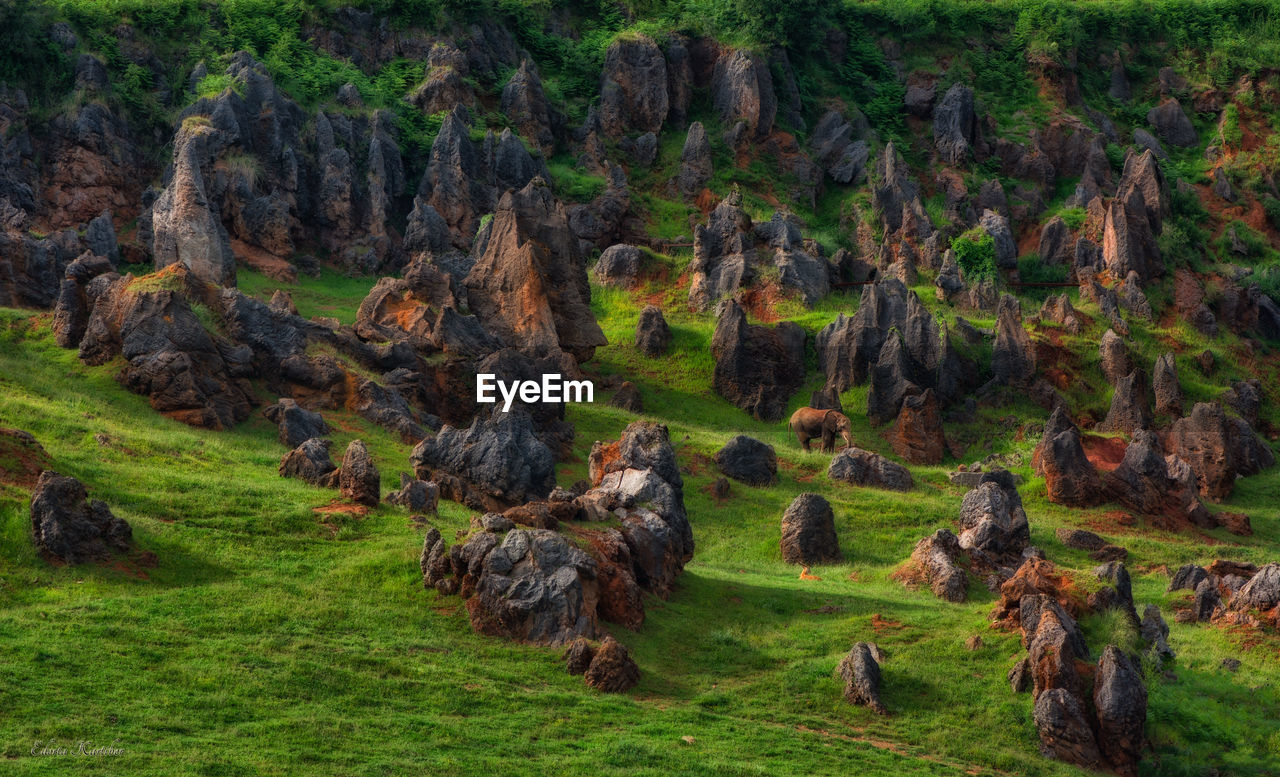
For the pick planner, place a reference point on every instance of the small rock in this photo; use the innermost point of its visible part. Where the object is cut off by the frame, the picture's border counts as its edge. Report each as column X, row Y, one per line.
column 611, row 669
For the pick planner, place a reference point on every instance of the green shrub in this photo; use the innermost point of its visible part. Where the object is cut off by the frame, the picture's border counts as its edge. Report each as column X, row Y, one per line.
column 1032, row 270
column 1073, row 217
column 1268, row 280
column 975, row 252
column 214, row 84
column 1271, row 206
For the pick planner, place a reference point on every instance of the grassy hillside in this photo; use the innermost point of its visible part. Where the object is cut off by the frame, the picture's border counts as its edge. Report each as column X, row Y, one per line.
column 271, row 639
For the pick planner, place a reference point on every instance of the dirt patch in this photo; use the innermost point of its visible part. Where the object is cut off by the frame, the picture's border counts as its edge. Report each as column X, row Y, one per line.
column 1105, row 453
column 342, row 507
column 881, row 624
column 22, row 459
column 761, row 301
column 265, row 262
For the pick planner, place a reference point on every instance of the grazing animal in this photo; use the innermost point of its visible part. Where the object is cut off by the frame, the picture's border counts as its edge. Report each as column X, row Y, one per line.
column 810, row 422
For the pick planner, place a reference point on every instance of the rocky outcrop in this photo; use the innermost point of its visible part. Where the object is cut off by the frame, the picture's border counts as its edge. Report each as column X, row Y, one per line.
column 742, row 91
column 495, row 463
column 1130, row 406
column 612, row 669
column 1070, row 478
column 529, row 288
column 310, row 463
column 653, row 336
column 955, row 125
column 1217, row 449
column 358, row 477
column 917, row 434
column 1006, row 248
column 187, row 373
column 1165, row 386
column 1172, row 125
column 757, row 368
column 1149, row 483
column 185, row 227
column 627, row 397
column 66, row 525
column 849, row 348
column 633, row 87
column 1013, row 360
column 297, row 424
column 695, row 161
column 861, row 676
column 1120, row 699
column 938, row 558
column 809, row 532
column 525, row 105
column 1261, row 593
column 992, row 520
column 1064, row 730
column 843, row 158
column 1114, row 355
column 748, row 460
column 866, row 468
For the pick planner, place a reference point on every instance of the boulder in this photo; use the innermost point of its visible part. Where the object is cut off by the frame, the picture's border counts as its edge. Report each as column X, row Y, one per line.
column 748, row 460
column 1262, row 592
column 992, row 520
column 297, row 424
column 917, row 435
column 742, row 90
column 1115, row 357
column 1057, row 309
column 1165, row 386
column 1056, row 246
column 358, row 477
column 1130, row 408
column 937, row 556
column 835, row 150
column 1245, row 397
column 612, row 669
column 496, row 463
column 532, row 587
column 757, row 368
column 1070, row 478
column 997, row 226
column 695, row 161
column 1064, row 731
column 861, row 676
column 653, row 336
column 1170, row 122
column 417, row 496
column 310, row 462
column 578, row 657
column 809, row 532
column 866, row 468
column 633, row 87
column 1151, row 484
column 1188, row 577
column 627, row 397
column 1207, row 601
column 619, row 265
column 66, row 525
column 1216, row 449
column 955, row 125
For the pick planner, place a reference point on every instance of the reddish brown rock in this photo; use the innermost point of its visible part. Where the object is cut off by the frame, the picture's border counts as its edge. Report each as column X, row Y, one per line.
column 612, row 669
column 1071, row 479
column 530, row 286
column 917, row 435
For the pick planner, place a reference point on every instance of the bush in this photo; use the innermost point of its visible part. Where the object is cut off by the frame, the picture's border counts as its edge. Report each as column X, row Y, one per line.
column 1271, row 206
column 975, row 252
column 1073, row 218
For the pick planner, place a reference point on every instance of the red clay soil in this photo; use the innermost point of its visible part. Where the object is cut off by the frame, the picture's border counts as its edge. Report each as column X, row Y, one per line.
column 21, row 460
column 1105, row 453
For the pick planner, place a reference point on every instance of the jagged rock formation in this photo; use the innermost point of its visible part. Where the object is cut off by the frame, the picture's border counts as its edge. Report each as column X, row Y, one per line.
column 1070, row 478
column 495, row 463
column 1217, row 449
column 861, row 676
column 809, row 532
column 297, row 424
column 757, row 368
column 69, row 527
column 358, row 477
column 653, row 336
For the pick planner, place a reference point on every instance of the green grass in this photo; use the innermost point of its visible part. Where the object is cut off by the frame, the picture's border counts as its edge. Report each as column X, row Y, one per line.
column 269, row 641
column 332, row 294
